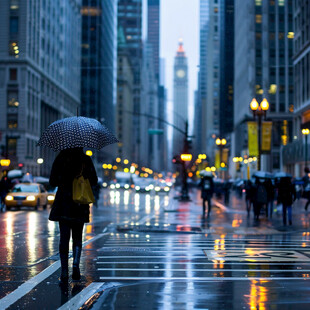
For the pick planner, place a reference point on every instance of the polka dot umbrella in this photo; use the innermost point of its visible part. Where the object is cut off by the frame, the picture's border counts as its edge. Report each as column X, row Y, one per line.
column 76, row 131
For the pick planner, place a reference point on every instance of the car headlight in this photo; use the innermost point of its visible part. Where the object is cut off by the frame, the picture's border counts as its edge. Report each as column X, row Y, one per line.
column 126, row 186
column 9, row 198
column 151, row 186
column 117, row 185
column 166, row 189
column 31, row 198
column 50, row 197
column 137, row 188
column 104, row 184
column 157, row 188
column 112, row 186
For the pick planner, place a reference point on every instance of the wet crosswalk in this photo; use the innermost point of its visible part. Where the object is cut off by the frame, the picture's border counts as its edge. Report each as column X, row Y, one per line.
column 159, row 257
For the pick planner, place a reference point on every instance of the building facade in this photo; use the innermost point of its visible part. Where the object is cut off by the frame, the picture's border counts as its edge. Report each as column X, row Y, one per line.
column 98, row 65
column 180, row 98
column 39, row 75
column 263, row 69
column 294, row 155
column 129, row 17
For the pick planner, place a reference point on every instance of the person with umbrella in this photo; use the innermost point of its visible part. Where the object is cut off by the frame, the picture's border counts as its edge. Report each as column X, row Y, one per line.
column 69, row 136
column 286, row 196
column 207, row 188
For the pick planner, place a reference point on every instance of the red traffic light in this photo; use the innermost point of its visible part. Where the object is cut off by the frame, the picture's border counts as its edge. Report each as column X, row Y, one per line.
column 20, row 165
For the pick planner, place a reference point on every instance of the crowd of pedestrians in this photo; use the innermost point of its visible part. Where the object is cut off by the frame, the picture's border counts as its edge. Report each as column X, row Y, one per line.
column 261, row 193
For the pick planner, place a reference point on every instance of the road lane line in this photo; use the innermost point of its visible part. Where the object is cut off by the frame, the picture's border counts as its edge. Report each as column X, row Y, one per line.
column 201, row 279
column 26, row 287
column 139, row 262
column 78, row 301
column 207, row 270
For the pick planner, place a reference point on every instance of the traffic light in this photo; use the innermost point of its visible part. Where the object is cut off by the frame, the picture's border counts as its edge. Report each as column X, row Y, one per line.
column 20, row 165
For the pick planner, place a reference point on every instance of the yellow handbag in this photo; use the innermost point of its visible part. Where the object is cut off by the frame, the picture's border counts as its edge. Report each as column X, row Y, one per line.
column 81, row 191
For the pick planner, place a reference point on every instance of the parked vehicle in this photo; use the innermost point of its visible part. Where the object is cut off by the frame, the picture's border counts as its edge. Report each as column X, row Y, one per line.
column 27, row 194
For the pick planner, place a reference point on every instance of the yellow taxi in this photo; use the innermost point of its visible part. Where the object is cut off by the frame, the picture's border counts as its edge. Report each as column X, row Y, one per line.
column 27, row 194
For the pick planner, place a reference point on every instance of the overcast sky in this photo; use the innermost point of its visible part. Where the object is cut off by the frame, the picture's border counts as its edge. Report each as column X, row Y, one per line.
column 180, row 19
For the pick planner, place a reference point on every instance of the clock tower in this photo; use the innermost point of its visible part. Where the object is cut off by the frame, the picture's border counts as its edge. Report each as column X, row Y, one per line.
column 180, row 97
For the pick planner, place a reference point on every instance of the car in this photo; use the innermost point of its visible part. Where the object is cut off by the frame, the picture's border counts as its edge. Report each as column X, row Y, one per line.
column 161, row 186
column 27, row 194
column 143, row 185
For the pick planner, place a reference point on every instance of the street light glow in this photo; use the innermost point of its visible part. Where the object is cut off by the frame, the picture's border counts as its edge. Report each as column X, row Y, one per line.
column 254, row 104
column 305, row 131
column 264, row 105
column 186, row 157
column 40, row 161
column 218, row 141
column 89, row 153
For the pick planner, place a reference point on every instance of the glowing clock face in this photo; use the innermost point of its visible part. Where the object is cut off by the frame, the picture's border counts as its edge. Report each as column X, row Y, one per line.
column 180, row 73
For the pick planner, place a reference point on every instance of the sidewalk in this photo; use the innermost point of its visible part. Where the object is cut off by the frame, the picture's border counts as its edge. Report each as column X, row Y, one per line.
column 172, row 258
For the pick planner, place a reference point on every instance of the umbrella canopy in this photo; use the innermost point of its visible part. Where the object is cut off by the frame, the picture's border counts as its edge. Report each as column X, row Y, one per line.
column 76, row 131
column 262, row 175
column 12, row 174
column 282, row 175
column 205, row 173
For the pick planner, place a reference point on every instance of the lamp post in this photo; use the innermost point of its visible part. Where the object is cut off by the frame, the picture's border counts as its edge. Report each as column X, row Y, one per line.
column 306, row 132
column 259, row 110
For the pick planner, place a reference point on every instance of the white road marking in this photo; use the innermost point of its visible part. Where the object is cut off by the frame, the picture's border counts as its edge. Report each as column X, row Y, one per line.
column 139, row 262
column 201, row 279
column 26, row 287
column 77, row 301
column 207, row 270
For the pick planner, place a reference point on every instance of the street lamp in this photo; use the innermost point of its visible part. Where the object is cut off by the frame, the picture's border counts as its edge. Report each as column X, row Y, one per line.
column 305, row 132
column 221, row 142
column 259, row 110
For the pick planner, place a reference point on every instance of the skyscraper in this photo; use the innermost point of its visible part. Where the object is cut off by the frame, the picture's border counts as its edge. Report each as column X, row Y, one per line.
column 180, row 97
column 98, row 66
column 130, row 19
column 40, row 75
column 263, row 69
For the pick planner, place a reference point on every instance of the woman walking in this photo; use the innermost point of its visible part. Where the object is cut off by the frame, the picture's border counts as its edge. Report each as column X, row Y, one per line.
column 71, row 216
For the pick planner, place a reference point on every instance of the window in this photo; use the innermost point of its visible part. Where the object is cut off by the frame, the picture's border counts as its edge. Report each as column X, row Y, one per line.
column 12, row 120
column 14, row 5
column 258, row 2
column 13, row 74
column 13, row 25
column 281, row 2
column 13, row 49
column 12, row 146
column 258, row 18
column 13, row 98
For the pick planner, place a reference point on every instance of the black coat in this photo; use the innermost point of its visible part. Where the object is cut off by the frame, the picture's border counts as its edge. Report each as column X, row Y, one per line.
column 67, row 165
column 206, row 191
column 286, row 192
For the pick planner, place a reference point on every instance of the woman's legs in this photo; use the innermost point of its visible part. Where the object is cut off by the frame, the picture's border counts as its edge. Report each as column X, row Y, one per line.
column 289, row 212
column 77, row 231
column 64, row 228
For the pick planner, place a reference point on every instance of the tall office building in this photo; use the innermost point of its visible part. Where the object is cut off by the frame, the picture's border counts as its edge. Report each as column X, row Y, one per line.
column 200, row 129
column 130, row 19
column 180, row 98
column 39, row 75
column 98, row 65
column 226, row 101
column 294, row 159
column 263, row 69
column 124, row 106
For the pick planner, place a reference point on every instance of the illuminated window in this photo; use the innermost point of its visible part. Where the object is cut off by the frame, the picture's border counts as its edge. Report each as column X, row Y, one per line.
column 14, row 5
column 12, row 120
column 258, row 18
column 12, row 146
column 13, row 99
column 281, row 2
column 281, row 35
column 272, row 89
column 258, row 2
column 13, row 49
column 290, row 35
column 90, row 11
column 13, row 25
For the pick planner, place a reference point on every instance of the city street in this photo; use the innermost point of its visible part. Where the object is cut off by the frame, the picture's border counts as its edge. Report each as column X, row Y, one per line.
column 146, row 250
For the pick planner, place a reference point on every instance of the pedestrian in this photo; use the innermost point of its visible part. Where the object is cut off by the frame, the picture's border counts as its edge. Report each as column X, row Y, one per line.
column 249, row 195
column 306, row 187
column 207, row 190
column 270, row 197
column 71, row 216
column 5, row 187
column 260, row 197
column 286, row 196
column 226, row 189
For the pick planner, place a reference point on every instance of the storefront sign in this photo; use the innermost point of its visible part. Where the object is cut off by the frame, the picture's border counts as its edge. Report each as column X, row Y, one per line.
column 266, row 137
column 252, row 139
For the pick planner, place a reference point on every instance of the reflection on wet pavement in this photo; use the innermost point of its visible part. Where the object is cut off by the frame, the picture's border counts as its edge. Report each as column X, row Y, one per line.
column 158, row 253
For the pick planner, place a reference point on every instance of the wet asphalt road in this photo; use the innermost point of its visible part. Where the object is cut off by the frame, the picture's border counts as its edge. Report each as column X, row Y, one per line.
column 150, row 251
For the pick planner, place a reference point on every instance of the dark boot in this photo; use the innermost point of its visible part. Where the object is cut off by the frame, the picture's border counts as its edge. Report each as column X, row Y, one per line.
column 76, row 276
column 64, row 268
